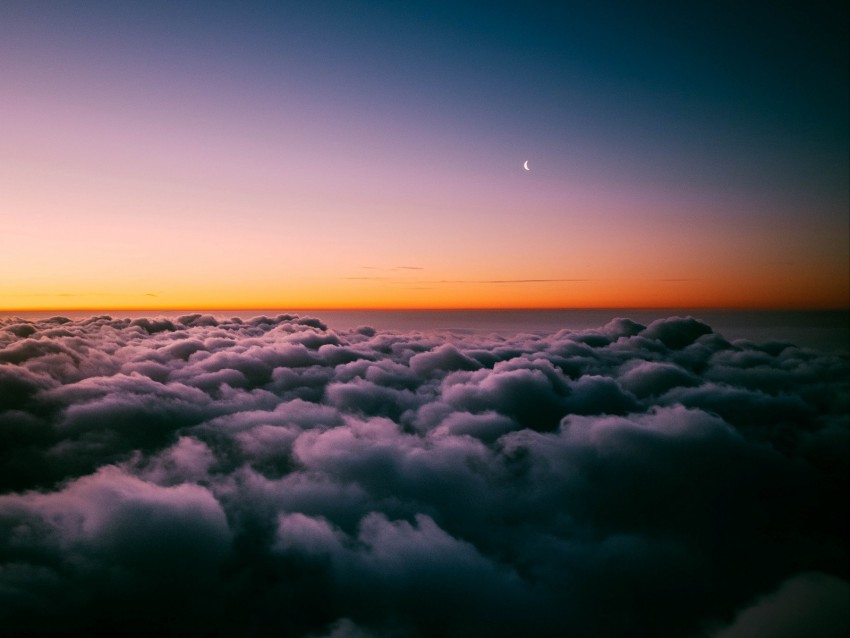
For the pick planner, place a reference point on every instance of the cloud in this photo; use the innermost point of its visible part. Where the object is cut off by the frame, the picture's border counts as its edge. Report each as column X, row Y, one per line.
column 106, row 547
column 500, row 281
column 809, row 604
column 264, row 477
column 676, row 332
column 653, row 378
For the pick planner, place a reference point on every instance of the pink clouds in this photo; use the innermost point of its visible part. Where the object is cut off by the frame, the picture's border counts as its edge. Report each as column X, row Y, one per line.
column 214, row 472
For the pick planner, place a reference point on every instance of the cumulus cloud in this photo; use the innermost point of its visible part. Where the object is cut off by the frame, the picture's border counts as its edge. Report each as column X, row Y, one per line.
column 810, row 604
column 200, row 475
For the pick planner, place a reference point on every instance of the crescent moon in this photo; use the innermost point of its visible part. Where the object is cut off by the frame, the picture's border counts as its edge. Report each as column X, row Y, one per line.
column 525, row 165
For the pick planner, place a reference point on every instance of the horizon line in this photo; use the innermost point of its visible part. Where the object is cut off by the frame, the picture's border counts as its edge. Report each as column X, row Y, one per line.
column 422, row 309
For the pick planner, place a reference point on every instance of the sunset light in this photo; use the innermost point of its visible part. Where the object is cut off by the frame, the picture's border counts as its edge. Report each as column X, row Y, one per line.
column 424, row 319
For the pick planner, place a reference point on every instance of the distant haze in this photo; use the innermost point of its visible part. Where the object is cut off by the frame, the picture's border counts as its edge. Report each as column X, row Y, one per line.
column 825, row 330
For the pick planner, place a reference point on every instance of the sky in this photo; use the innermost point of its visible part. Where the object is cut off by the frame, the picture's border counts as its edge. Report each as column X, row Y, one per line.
column 370, row 155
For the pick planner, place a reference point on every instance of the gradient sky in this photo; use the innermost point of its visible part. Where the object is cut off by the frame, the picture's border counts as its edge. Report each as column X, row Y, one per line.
column 368, row 154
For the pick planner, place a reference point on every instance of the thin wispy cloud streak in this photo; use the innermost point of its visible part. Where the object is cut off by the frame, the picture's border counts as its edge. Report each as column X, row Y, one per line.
column 476, row 281
column 203, row 476
column 499, row 281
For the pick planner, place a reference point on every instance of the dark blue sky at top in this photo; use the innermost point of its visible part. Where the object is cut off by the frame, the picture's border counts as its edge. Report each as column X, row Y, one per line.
column 749, row 96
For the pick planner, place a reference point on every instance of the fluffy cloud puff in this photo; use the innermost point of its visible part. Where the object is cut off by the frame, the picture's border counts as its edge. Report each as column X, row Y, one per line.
column 271, row 477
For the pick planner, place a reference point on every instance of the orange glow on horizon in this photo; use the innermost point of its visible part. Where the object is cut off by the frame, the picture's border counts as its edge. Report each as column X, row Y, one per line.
column 745, row 294
column 219, row 182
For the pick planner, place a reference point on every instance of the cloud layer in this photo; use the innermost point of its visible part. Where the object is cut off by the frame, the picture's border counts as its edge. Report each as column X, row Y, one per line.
column 272, row 477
